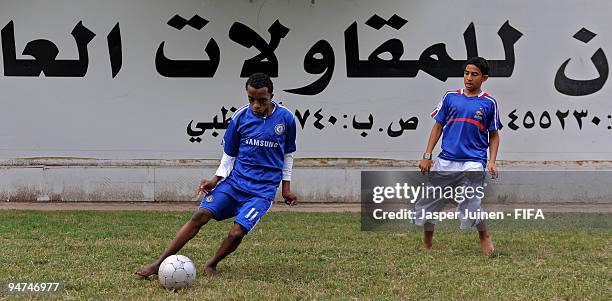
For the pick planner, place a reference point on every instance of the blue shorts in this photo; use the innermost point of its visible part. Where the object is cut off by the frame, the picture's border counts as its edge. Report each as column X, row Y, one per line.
column 225, row 201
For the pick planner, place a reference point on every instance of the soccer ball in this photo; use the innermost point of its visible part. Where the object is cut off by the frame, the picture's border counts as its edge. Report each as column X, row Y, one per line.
column 176, row 272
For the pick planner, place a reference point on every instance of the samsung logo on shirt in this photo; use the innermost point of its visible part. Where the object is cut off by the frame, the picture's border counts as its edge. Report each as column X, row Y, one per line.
column 256, row 142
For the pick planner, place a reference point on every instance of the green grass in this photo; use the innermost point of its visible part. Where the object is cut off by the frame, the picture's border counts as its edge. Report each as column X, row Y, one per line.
column 294, row 255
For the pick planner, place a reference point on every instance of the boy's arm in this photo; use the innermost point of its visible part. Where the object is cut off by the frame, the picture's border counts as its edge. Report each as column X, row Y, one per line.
column 493, row 148
column 225, row 168
column 290, row 147
column 434, row 136
column 231, row 146
column 290, row 198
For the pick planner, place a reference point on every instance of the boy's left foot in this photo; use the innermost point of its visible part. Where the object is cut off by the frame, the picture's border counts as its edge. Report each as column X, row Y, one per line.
column 486, row 246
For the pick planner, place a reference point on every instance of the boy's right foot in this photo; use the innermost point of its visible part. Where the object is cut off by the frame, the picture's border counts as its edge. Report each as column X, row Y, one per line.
column 147, row 271
column 486, row 246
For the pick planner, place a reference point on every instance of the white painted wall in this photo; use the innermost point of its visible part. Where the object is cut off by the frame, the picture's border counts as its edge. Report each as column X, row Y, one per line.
column 140, row 114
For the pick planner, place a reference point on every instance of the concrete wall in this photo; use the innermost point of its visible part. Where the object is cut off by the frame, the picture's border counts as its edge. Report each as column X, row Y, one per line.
column 314, row 180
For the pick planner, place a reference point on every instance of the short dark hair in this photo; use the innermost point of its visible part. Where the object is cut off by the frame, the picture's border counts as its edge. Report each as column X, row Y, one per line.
column 260, row 80
column 479, row 62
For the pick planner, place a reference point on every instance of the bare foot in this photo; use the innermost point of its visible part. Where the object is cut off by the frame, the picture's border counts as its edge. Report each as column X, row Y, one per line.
column 210, row 269
column 486, row 246
column 426, row 246
column 147, row 271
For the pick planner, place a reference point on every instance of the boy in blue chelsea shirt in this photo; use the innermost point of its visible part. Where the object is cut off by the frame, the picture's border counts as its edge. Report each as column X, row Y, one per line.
column 258, row 149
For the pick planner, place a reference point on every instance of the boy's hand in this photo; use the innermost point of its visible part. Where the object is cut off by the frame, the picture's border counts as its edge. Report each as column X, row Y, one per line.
column 290, row 198
column 207, row 185
column 493, row 170
column 425, row 165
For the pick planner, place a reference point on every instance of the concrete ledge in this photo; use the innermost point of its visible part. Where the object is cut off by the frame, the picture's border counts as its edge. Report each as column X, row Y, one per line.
column 278, row 207
column 299, row 162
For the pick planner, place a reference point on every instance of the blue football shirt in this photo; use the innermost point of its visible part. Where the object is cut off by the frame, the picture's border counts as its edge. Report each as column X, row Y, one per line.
column 259, row 144
column 467, row 121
